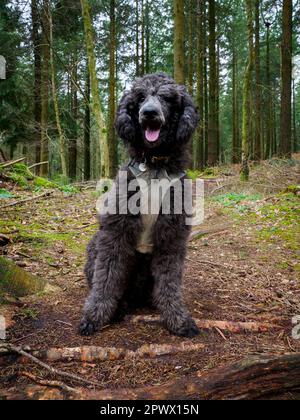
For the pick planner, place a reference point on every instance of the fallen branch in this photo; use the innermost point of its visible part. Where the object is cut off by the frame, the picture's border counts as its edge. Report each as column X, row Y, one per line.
column 234, row 327
column 102, row 354
column 26, row 200
column 38, row 164
column 57, row 372
column 11, row 163
column 203, row 232
column 257, row 377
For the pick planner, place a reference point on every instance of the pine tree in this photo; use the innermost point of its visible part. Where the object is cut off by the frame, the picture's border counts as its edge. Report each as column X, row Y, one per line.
column 285, row 145
column 179, row 41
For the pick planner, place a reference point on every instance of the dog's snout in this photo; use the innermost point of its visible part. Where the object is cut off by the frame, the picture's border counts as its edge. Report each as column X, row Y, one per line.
column 150, row 112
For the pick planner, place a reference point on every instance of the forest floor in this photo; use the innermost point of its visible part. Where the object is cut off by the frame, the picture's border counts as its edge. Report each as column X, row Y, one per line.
column 244, row 266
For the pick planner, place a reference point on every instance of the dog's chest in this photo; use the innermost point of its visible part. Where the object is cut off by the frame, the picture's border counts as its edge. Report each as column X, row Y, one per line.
column 154, row 194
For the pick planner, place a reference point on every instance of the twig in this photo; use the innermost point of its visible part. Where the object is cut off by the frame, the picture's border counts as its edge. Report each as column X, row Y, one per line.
column 221, row 334
column 37, row 197
column 52, row 384
column 206, row 262
column 231, row 326
column 11, row 163
column 58, row 372
column 38, row 164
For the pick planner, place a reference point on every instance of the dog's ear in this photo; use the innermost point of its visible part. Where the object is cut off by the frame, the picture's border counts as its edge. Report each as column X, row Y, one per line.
column 188, row 119
column 124, row 123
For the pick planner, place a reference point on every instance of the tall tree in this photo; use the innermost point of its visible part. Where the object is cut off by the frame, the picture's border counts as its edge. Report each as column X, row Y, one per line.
column 87, row 129
column 179, row 41
column 96, row 104
column 36, row 41
column 235, row 122
column 137, row 38
column 199, row 151
column 74, row 116
column 147, row 34
column 191, row 14
column 61, row 135
column 213, row 87
column 285, row 144
column 112, row 93
column 257, row 146
column 247, row 111
column 44, row 171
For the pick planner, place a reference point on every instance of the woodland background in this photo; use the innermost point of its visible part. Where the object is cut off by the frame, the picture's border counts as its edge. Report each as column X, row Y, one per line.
column 69, row 61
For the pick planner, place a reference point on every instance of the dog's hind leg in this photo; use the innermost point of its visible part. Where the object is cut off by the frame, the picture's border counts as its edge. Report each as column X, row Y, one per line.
column 92, row 252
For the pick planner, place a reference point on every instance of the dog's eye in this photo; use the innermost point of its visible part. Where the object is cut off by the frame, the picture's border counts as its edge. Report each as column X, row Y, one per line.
column 142, row 98
column 166, row 98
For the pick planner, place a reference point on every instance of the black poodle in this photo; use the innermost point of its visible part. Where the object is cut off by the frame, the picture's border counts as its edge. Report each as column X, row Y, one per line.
column 135, row 256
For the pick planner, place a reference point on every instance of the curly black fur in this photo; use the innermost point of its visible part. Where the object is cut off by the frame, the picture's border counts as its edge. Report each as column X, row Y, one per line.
column 119, row 276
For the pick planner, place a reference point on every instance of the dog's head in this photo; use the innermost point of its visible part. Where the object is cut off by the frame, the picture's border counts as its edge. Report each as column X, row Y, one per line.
column 156, row 111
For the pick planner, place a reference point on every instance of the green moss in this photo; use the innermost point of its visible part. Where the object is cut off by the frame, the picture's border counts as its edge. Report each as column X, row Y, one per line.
column 5, row 194
column 17, row 282
column 18, row 179
column 22, row 169
column 29, row 313
column 44, row 183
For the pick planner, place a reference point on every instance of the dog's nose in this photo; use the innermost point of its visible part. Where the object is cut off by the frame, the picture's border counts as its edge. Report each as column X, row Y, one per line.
column 150, row 112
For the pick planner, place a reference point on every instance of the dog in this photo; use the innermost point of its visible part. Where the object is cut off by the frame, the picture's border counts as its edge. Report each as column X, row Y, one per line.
column 137, row 259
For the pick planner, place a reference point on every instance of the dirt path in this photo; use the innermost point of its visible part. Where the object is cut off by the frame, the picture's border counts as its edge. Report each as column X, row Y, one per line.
column 231, row 275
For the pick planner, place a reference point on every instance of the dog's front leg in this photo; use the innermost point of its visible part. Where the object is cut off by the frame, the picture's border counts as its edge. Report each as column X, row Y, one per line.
column 111, row 272
column 167, row 272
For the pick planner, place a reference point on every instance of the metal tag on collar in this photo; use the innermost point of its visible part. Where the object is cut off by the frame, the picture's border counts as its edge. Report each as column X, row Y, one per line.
column 143, row 167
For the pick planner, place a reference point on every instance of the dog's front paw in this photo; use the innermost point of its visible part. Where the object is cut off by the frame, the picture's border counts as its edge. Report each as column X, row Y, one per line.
column 189, row 329
column 86, row 327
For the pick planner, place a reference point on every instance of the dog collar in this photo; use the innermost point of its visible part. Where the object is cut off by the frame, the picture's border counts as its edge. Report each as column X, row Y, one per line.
column 139, row 168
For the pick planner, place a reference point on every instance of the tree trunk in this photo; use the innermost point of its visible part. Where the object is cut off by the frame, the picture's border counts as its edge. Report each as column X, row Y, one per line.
column 246, row 134
column 179, row 41
column 44, row 171
column 191, row 29
column 113, row 161
column 74, row 114
column 235, row 140
column 61, row 136
column 213, row 88
column 137, row 39
column 87, row 129
column 285, row 144
column 96, row 104
column 147, row 29
column 199, row 158
column 295, row 138
column 206, row 106
column 257, row 146
column 267, row 152
column 17, row 282
column 36, row 41
column 143, row 34
column 254, row 378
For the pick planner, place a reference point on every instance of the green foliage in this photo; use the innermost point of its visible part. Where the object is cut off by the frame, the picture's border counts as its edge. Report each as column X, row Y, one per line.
column 23, row 170
column 236, row 201
column 44, row 183
column 18, row 179
column 5, row 194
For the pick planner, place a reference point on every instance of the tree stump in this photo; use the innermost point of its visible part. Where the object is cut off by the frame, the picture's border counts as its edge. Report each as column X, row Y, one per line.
column 17, row 282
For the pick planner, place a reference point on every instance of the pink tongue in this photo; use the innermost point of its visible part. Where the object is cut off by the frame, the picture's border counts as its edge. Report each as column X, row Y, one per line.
column 152, row 135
